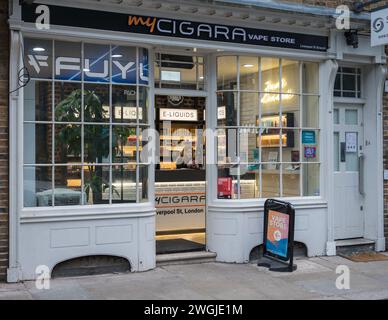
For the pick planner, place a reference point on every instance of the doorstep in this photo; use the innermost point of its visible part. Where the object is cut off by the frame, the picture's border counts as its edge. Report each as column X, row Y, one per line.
column 185, row 258
column 356, row 245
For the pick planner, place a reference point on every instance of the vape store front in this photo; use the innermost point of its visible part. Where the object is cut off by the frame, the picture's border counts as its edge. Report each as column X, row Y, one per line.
column 137, row 134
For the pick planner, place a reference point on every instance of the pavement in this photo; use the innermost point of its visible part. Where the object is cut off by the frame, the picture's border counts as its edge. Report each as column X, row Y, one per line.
column 315, row 278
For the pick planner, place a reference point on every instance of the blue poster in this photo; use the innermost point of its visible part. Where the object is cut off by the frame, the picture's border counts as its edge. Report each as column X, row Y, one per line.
column 308, row 137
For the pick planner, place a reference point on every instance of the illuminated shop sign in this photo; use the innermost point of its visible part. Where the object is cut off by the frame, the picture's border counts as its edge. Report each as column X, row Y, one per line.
column 178, row 114
column 158, row 26
column 128, row 113
column 106, row 63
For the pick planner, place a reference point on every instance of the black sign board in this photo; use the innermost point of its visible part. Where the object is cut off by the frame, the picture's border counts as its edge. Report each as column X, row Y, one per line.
column 167, row 27
column 278, row 238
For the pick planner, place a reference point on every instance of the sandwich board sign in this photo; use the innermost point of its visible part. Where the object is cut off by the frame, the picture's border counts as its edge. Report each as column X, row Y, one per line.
column 278, row 239
column 379, row 27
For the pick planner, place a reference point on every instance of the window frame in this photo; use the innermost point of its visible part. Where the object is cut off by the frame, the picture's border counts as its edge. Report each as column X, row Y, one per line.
column 82, row 164
column 300, row 128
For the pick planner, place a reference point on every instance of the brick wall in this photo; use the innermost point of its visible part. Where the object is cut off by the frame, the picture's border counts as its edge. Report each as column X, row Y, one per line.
column 4, row 58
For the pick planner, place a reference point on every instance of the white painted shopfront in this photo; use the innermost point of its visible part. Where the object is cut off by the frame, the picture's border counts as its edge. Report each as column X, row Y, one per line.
column 268, row 103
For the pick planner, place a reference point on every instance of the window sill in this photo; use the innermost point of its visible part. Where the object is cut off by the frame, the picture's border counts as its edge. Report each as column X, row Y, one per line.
column 87, row 212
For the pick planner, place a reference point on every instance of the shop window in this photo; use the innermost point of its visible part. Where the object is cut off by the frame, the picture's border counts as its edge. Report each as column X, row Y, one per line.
column 85, row 123
column 267, row 128
column 348, row 83
column 179, row 72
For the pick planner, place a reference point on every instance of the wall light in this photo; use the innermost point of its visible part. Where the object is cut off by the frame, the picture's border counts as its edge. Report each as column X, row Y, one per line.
column 38, row 49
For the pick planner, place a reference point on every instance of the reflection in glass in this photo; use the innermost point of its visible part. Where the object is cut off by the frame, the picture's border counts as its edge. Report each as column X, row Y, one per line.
column 96, row 66
column 39, row 54
column 249, row 108
column 310, row 179
column 227, row 146
column 227, row 182
column 67, row 143
column 310, row 117
column 96, row 103
column 124, row 183
column 123, row 144
column 96, row 144
column 96, row 185
column 68, row 186
column 250, row 181
column 38, row 101
column 291, row 179
column 310, row 75
column 68, row 101
column 38, row 186
column 270, row 73
column 227, row 108
column 66, row 53
column 290, row 76
column 227, row 73
column 37, row 143
column 249, row 73
column 124, row 104
column 143, row 183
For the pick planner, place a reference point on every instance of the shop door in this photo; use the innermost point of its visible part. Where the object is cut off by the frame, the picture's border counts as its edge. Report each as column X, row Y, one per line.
column 348, row 172
column 180, row 176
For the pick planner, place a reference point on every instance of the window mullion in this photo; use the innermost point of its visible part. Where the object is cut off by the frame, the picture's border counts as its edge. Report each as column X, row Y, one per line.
column 281, row 129
column 110, row 127
column 53, row 124
column 82, row 127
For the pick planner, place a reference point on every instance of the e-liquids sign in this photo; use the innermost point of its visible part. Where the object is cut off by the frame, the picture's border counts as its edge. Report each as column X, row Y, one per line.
column 184, row 29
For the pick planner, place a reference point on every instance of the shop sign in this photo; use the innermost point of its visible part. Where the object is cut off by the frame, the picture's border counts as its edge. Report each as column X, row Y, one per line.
column 175, row 100
column 278, row 236
column 166, row 114
column 310, row 152
column 379, row 27
column 128, row 113
column 308, row 137
column 221, row 113
column 224, row 188
column 166, row 27
column 180, row 210
column 351, row 141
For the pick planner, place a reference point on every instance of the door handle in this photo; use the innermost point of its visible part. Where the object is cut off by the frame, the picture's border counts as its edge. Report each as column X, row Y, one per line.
column 361, row 174
column 343, row 151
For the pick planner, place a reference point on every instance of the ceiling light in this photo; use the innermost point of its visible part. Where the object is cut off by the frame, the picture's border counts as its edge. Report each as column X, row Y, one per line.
column 86, row 70
column 38, row 49
column 117, row 55
column 247, row 65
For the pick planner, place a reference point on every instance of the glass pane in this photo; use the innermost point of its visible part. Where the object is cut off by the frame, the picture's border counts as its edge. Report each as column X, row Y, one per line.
column 270, row 110
column 67, row 143
column 123, row 144
column 351, row 117
column 38, row 58
column 227, row 146
column 68, row 101
column 201, row 77
column 351, row 139
column 68, row 186
column 124, row 104
column 227, row 182
column 249, row 151
column 143, row 105
column 38, row 186
column 310, row 179
column 310, row 74
column 37, row 143
column 290, row 151
column 96, row 144
column 68, row 60
column 290, row 77
column 336, row 151
column 270, row 75
column 227, row 108
column 337, row 83
column 96, row 186
column 270, row 181
column 227, row 73
column 336, row 116
column 348, row 82
column 143, row 183
column 124, row 65
column 310, row 117
column 291, row 180
column 249, row 108
column 38, row 101
column 249, row 73
column 290, row 110
column 96, row 66
column 124, row 183
column 96, row 103
column 250, row 181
